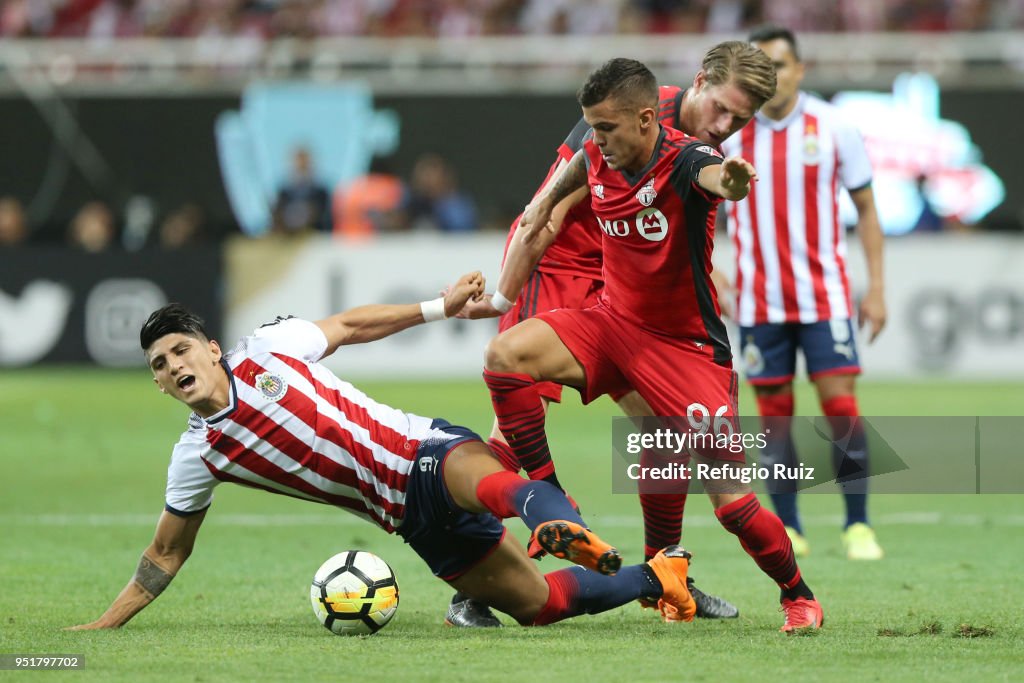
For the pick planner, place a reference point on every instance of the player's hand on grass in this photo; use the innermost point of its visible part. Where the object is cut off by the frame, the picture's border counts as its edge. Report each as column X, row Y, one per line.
column 536, row 217
column 872, row 312
column 469, row 287
column 93, row 626
column 475, row 310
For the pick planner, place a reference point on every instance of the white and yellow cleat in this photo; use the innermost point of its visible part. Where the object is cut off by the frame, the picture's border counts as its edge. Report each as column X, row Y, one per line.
column 860, row 543
column 801, row 548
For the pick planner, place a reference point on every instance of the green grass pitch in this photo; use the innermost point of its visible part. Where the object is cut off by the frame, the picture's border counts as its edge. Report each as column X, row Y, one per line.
column 83, row 456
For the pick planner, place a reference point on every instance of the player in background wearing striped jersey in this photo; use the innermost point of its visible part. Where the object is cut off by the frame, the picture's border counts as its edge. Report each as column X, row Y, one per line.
column 656, row 327
column 791, row 288
column 568, row 275
column 268, row 415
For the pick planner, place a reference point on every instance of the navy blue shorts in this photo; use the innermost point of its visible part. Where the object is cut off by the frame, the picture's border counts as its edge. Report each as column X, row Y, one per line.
column 769, row 350
column 450, row 540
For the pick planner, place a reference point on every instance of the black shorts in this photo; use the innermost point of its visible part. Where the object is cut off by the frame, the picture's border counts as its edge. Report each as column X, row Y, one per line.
column 449, row 539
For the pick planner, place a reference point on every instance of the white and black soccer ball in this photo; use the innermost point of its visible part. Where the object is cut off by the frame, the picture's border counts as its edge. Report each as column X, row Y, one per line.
column 354, row 593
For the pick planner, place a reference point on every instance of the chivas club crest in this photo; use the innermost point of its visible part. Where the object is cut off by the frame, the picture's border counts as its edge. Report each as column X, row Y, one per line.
column 812, row 147
column 599, row 191
column 646, row 195
column 271, row 386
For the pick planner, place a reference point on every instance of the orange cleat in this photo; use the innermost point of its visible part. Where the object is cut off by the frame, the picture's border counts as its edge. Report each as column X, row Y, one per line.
column 533, row 548
column 801, row 615
column 576, row 543
column 670, row 565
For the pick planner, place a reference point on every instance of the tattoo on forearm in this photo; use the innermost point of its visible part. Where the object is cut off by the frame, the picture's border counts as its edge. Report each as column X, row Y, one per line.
column 572, row 178
column 150, row 577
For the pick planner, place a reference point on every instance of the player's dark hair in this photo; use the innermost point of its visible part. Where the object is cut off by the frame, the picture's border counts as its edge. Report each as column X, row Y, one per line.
column 171, row 319
column 770, row 32
column 739, row 62
column 627, row 80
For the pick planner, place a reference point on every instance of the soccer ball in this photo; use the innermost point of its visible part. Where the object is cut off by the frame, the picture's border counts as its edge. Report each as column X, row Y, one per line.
column 354, row 593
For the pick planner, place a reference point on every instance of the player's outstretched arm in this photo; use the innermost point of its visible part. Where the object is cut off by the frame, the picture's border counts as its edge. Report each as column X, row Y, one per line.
column 172, row 544
column 872, row 306
column 521, row 259
column 730, row 180
column 368, row 323
column 537, row 215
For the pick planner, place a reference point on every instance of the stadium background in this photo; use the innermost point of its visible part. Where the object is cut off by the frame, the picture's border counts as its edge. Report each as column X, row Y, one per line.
column 118, row 102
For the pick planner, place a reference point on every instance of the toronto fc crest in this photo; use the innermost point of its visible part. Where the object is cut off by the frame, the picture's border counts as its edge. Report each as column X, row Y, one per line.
column 647, row 195
column 271, row 386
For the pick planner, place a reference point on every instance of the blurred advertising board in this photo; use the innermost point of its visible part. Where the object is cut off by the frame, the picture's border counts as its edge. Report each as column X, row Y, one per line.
column 63, row 306
column 956, row 302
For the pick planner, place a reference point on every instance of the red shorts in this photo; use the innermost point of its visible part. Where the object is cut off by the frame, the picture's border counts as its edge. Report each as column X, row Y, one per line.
column 545, row 292
column 677, row 376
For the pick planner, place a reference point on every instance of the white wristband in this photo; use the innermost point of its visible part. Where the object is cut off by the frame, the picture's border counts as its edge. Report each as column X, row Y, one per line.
column 433, row 310
column 500, row 303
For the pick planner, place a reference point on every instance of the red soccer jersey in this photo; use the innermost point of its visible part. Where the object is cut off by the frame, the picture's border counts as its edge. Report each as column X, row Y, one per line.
column 658, row 232
column 577, row 249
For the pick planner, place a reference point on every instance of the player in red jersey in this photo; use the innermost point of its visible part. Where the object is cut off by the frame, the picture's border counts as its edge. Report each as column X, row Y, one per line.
column 721, row 100
column 791, row 289
column 656, row 328
column 267, row 415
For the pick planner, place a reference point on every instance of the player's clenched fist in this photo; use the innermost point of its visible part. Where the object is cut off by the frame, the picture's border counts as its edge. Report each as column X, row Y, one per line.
column 469, row 286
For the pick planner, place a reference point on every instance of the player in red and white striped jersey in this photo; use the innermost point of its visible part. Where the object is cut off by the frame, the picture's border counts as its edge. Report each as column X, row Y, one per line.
column 791, row 285
column 267, row 415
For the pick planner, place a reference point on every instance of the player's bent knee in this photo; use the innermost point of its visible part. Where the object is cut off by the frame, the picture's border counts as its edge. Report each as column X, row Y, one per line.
column 505, row 353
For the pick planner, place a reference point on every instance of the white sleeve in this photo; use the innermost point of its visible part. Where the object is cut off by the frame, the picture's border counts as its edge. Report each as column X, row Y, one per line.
column 294, row 337
column 854, row 164
column 190, row 483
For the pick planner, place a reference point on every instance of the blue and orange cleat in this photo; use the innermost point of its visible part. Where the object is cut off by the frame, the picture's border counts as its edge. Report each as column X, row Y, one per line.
column 573, row 542
column 802, row 614
column 533, row 548
column 671, row 565
column 708, row 606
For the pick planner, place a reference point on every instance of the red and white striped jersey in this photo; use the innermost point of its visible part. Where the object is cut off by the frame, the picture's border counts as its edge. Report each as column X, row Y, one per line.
column 294, row 428
column 790, row 246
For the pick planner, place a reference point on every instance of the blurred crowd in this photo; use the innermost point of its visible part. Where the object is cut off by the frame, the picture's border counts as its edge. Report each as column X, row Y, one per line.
column 380, row 201
column 104, row 19
column 429, row 199
column 97, row 226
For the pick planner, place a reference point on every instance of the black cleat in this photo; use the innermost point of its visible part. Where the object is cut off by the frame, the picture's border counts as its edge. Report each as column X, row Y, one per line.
column 465, row 612
column 710, row 606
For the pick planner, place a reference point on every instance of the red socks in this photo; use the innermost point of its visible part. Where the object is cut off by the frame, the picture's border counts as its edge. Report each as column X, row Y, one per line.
column 508, row 458
column 842, row 414
column 663, row 520
column 763, row 537
column 562, row 591
column 520, row 413
column 497, row 492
